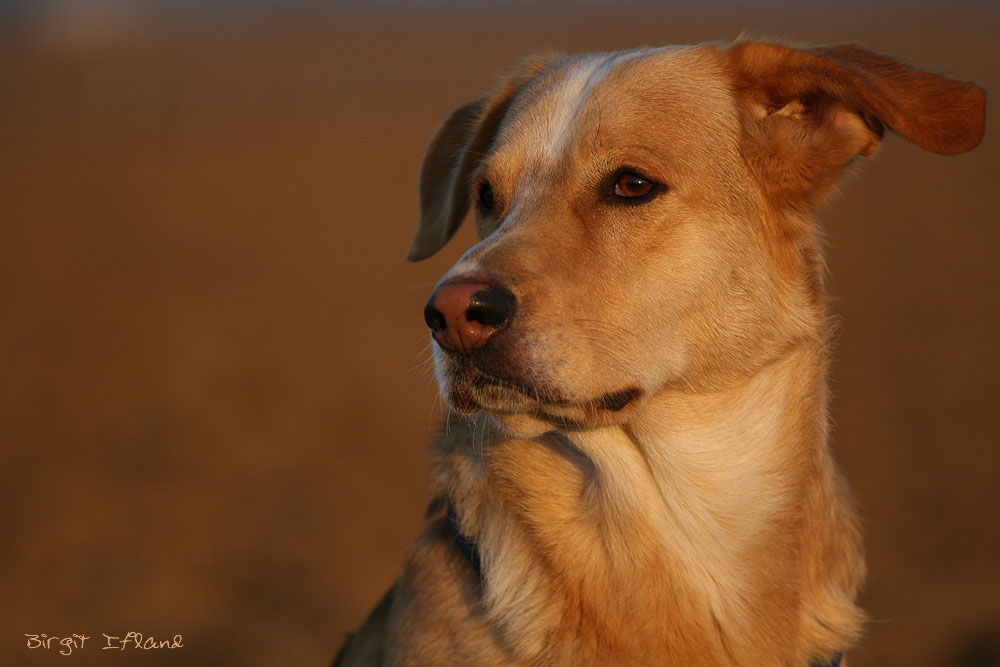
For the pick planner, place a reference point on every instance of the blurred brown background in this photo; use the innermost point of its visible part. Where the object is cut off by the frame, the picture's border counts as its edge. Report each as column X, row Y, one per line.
column 212, row 416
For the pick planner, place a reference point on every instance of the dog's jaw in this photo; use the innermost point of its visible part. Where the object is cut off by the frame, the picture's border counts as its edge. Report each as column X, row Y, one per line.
column 512, row 401
column 522, row 426
column 612, row 409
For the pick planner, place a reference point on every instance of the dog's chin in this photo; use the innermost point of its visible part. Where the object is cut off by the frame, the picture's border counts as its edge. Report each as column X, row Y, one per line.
column 528, row 410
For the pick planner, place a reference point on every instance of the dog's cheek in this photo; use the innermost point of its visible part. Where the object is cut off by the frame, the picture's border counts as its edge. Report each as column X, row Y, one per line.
column 559, row 356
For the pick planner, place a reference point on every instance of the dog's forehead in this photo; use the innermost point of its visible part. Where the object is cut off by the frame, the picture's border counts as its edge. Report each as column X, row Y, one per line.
column 673, row 95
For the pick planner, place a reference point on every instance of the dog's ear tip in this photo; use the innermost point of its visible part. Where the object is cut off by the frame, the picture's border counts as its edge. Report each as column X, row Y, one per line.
column 414, row 256
column 979, row 130
column 418, row 252
column 965, row 146
column 966, row 127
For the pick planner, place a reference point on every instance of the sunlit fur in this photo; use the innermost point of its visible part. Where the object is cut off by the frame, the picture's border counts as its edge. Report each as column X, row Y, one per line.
column 704, row 521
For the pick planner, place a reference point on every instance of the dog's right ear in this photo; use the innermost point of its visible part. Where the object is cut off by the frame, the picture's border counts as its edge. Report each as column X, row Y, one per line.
column 463, row 139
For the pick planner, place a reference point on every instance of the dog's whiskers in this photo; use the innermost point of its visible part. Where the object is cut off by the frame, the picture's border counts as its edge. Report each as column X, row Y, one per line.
column 482, row 440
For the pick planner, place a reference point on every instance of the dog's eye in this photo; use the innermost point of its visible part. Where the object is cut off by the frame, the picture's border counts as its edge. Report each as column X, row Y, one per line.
column 632, row 186
column 485, row 198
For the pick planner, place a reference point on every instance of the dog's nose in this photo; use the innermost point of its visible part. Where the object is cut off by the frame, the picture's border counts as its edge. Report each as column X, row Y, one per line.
column 464, row 315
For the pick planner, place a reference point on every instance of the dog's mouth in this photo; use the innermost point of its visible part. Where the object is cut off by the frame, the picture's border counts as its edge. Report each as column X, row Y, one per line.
column 471, row 388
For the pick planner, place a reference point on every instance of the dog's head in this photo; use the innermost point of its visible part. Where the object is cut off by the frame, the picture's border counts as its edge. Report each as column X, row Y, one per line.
column 645, row 216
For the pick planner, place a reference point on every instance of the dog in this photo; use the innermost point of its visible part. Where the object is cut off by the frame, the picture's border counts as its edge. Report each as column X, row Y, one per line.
column 636, row 466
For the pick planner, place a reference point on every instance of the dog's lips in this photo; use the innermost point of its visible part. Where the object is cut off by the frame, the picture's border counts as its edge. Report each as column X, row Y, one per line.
column 471, row 389
column 617, row 401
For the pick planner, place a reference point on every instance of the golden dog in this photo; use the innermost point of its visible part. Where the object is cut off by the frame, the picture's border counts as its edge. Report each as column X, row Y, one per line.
column 636, row 469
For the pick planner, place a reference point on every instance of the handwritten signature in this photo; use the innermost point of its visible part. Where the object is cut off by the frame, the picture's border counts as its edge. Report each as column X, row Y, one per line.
column 76, row 642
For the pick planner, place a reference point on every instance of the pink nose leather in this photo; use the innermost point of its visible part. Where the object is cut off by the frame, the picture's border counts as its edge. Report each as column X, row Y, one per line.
column 464, row 315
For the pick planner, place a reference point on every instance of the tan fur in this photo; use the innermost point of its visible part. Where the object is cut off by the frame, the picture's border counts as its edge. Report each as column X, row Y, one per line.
column 646, row 469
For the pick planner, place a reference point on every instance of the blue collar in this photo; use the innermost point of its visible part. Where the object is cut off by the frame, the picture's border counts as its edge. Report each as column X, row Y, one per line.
column 471, row 552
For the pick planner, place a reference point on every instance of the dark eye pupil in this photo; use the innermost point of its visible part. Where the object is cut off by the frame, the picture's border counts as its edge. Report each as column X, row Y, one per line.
column 486, row 202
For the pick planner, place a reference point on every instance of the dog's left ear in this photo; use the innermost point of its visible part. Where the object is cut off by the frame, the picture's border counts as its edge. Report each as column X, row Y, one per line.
column 464, row 137
column 808, row 112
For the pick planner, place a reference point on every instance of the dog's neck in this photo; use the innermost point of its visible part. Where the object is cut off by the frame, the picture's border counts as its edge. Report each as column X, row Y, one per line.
column 730, row 471
column 727, row 464
column 700, row 505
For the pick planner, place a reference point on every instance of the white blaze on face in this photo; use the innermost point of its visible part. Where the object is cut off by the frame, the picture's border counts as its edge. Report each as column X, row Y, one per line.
column 545, row 130
column 565, row 103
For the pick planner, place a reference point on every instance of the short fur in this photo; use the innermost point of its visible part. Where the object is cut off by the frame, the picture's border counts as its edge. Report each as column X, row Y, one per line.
column 641, row 454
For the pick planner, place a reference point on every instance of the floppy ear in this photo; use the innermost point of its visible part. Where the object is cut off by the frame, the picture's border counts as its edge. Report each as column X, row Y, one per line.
column 808, row 113
column 464, row 137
